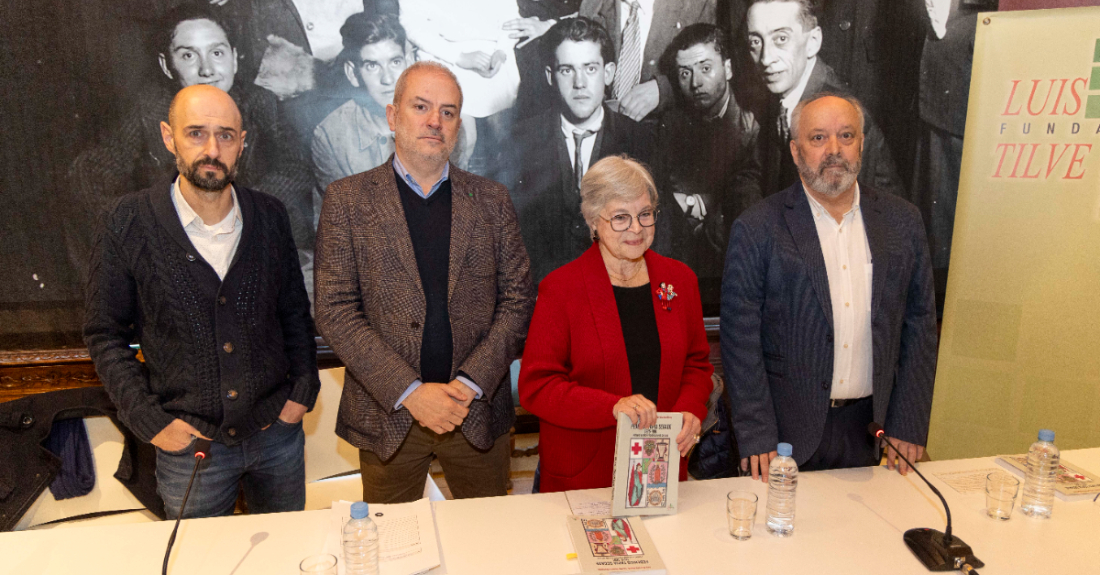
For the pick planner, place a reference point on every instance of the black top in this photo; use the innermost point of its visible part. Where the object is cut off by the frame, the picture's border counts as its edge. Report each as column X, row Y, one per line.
column 222, row 355
column 643, row 344
column 429, row 221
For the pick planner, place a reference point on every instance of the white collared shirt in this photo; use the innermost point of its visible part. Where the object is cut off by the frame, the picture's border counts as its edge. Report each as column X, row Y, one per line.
column 593, row 124
column 791, row 100
column 645, row 19
column 217, row 244
column 848, row 264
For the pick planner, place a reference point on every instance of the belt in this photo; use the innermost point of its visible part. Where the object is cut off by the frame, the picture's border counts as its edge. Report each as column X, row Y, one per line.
column 847, row 402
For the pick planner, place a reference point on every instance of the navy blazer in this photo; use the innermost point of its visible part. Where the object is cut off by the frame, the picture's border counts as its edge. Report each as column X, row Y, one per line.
column 777, row 325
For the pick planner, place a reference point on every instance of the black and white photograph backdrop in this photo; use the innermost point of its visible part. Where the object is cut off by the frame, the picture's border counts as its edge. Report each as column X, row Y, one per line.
column 698, row 90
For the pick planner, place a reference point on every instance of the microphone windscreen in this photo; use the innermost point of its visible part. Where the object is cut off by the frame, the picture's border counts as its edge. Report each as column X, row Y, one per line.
column 202, row 448
column 874, row 429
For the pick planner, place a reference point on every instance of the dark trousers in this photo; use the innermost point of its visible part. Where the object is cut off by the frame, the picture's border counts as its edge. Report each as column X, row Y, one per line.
column 845, row 441
column 469, row 471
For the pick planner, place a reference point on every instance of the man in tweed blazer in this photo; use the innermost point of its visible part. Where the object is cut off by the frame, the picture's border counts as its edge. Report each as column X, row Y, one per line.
column 424, row 291
column 828, row 318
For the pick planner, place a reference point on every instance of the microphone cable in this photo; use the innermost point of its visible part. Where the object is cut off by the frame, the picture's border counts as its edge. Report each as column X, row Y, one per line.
column 202, row 448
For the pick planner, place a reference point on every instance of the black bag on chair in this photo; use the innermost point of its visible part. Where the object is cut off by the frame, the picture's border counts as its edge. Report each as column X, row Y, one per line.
column 716, row 455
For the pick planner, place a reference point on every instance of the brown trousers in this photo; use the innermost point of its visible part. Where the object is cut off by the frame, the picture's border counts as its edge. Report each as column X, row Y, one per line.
column 469, row 471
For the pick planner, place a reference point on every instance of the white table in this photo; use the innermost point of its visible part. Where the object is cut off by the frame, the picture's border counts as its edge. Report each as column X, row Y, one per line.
column 848, row 521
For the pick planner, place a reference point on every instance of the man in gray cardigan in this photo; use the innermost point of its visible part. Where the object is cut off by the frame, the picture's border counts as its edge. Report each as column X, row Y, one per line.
column 424, row 291
column 828, row 318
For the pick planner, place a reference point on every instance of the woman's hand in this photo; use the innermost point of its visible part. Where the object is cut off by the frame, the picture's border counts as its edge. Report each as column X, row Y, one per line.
column 641, row 411
column 689, row 433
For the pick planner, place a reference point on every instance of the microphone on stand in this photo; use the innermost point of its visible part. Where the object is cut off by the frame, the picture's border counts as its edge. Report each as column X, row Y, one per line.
column 202, row 451
column 937, row 551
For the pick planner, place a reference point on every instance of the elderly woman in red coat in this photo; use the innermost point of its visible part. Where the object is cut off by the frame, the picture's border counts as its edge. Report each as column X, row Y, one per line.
column 619, row 329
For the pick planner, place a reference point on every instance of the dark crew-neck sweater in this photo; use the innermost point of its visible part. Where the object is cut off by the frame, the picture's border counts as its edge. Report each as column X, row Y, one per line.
column 643, row 343
column 429, row 221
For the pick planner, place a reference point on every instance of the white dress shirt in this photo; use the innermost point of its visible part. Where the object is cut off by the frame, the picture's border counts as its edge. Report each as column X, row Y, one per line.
column 592, row 124
column 848, row 264
column 217, row 244
column 938, row 13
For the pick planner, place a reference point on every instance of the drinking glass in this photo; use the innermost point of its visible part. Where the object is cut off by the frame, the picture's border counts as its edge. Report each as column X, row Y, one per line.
column 1000, row 495
column 741, row 513
column 323, row 564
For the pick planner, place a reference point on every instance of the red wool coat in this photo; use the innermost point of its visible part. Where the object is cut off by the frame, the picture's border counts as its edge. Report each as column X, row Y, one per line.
column 575, row 368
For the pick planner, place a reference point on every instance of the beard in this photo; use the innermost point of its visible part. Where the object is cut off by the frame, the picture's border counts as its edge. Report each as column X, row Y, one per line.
column 408, row 143
column 822, row 182
column 195, row 173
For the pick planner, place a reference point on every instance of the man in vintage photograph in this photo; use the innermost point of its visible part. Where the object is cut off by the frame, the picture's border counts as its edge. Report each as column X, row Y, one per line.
column 356, row 136
column 424, row 292
column 828, row 315
column 641, row 31
column 552, row 151
column 784, row 40
column 194, row 46
column 708, row 165
column 204, row 275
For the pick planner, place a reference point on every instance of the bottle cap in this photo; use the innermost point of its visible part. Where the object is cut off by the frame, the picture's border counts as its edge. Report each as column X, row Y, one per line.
column 784, row 449
column 1046, row 435
column 359, row 510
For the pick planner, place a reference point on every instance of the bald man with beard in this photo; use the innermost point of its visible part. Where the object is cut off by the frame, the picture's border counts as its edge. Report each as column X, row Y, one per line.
column 204, row 276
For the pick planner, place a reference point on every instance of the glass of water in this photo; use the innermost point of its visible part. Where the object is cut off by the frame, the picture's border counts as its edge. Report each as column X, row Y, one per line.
column 1000, row 495
column 741, row 513
column 323, row 564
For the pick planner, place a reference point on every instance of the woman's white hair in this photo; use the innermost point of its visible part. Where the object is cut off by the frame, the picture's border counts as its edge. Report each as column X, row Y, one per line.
column 614, row 178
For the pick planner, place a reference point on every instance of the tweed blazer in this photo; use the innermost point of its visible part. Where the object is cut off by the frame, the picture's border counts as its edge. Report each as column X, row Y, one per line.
column 777, row 324
column 370, row 304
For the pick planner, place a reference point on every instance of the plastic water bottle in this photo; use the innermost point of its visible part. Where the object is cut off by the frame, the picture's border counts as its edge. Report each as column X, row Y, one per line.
column 360, row 542
column 1042, row 474
column 782, row 482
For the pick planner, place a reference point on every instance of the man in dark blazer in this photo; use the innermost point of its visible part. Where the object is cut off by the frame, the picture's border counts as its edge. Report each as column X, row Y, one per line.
column 784, row 40
column 579, row 65
column 828, row 320
column 652, row 89
column 424, row 292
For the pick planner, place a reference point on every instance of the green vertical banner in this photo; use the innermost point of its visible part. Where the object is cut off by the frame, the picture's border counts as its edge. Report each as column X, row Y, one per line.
column 1020, row 346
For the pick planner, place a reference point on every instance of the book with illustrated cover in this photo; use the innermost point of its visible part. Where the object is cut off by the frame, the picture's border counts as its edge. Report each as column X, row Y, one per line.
column 614, row 545
column 1074, row 483
column 647, row 467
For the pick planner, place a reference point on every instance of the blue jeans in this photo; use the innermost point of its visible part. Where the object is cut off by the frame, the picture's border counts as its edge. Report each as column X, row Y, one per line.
column 270, row 465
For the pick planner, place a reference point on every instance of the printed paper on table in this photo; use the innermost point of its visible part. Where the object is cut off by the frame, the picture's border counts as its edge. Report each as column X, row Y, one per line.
column 614, row 545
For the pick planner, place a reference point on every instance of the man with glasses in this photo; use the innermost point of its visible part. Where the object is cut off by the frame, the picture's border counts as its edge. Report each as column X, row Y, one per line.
column 355, row 137
column 555, row 149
